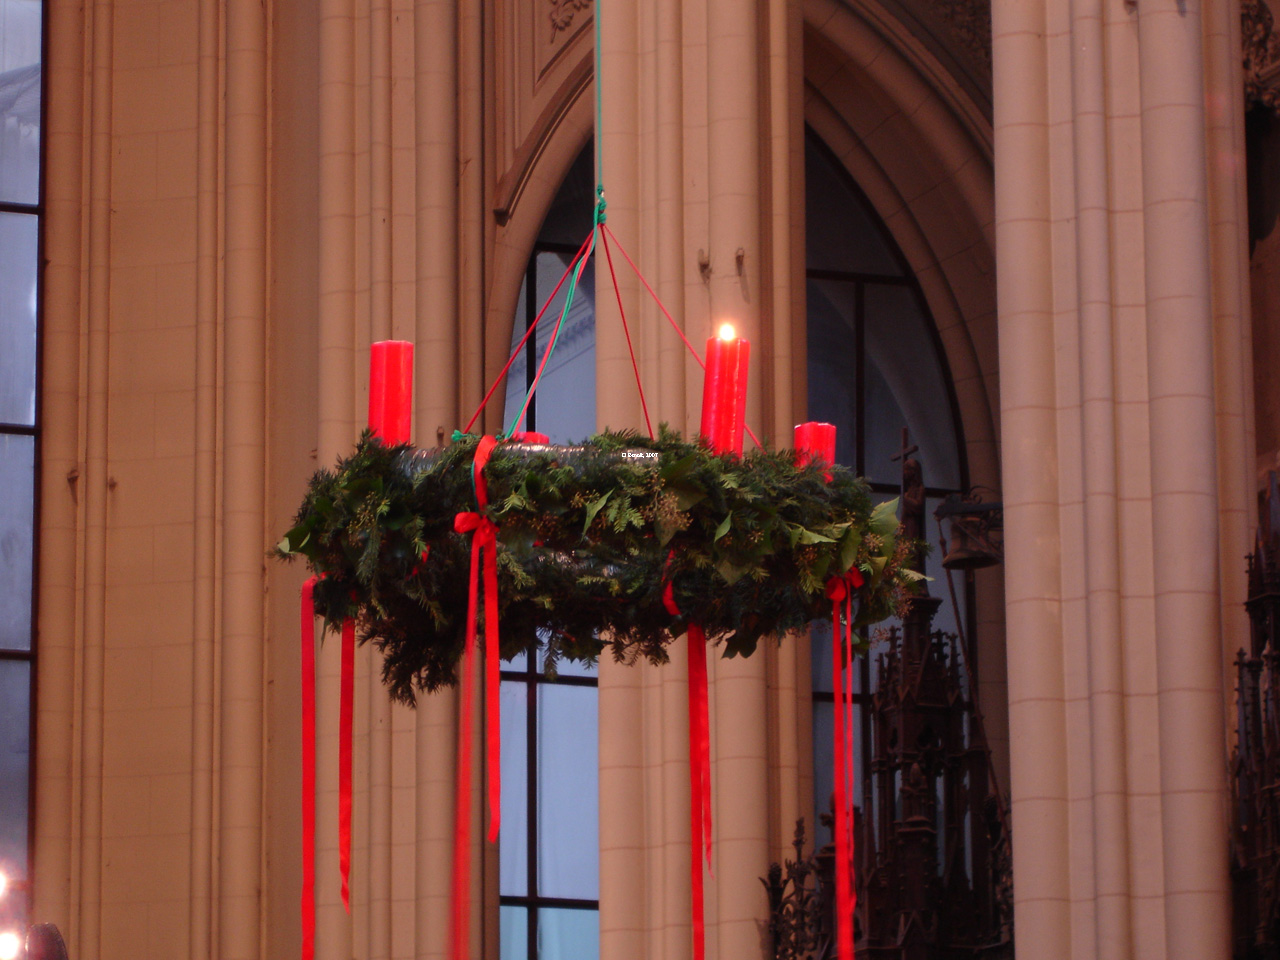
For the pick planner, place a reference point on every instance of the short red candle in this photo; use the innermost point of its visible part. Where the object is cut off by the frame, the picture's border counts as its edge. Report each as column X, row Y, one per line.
column 530, row 436
column 815, row 441
column 724, row 393
column 391, row 390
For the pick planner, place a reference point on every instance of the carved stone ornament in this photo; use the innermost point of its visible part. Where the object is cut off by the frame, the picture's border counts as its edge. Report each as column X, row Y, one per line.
column 970, row 24
column 1261, row 54
column 562, row 13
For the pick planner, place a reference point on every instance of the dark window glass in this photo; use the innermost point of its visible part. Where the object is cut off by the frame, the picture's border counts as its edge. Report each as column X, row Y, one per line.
column 15, row 765
column 875, row 366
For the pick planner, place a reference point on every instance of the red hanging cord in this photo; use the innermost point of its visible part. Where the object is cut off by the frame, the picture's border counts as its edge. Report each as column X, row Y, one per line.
column 661, row 306
column 528, row 333
column 626, row 330
column 665, row 312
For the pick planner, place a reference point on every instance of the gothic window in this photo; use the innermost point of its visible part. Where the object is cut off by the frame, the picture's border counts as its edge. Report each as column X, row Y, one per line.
column 549, row 862
column 21, row 39
column 875, row 366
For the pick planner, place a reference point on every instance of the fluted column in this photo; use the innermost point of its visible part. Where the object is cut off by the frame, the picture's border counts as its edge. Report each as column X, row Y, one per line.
column 1132, row 450
column 1184, row 481
column 438, row 329
column 1033, row 605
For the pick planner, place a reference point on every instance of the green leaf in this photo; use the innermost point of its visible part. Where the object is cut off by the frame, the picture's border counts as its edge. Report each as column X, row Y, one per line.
column 593, row 509
column 725, row 524
column 731, row 572
column 849, row 545
column 884, row 518
column 687, row 495
column 679, row 469
column 808, row 536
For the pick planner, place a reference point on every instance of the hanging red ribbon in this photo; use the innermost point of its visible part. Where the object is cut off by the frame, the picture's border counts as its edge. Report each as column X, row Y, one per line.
column 309, row 769
column 484, row 544
column 699, row 769
column 840, row 591
column 346, row 707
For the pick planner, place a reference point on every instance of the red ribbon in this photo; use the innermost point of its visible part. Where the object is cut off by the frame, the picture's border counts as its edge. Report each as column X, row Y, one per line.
column 346, row 700
column 309, row 769
column 699, row 768
column 840, row 590
column 346, row 704
column 484, row 547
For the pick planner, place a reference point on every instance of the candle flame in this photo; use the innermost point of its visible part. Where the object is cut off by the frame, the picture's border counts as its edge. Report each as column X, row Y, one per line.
column 727, row 331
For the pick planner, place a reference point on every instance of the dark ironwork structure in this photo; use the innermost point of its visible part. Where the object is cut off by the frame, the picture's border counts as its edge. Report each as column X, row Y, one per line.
column 934, row 874
column 1255, row 780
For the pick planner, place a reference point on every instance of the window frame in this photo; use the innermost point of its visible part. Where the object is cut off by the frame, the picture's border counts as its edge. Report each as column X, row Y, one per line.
column 35, row 430
column 859, row 280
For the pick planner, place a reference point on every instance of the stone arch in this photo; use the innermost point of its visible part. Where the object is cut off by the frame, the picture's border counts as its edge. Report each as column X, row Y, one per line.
column 921, row 152
column 524, row 196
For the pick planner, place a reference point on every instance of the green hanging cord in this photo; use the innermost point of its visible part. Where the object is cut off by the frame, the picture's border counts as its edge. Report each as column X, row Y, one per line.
column 598, row 217
column 555, row 338
column 599, row 109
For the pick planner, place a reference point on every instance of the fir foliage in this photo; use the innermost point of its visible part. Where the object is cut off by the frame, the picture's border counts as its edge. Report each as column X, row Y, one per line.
column 588, row 539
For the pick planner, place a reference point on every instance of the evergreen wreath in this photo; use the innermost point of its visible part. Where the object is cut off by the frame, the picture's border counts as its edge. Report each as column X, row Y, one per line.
column 588, row 539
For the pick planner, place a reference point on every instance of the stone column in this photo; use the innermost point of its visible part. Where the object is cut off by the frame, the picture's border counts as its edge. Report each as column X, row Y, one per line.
column 700, row 109
column 1184, row 478
column 1120, row 368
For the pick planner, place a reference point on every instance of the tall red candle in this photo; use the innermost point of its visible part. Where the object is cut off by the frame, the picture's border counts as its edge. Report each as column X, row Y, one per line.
column 815, row 441
column 724, row 392
column 391, row 390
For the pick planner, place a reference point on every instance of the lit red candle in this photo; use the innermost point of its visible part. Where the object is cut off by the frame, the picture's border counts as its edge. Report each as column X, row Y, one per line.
column 391, row 390
column 815, row 441
column 724, row 391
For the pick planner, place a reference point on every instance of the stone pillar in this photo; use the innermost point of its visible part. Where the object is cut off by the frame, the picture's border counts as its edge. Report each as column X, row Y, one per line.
column 700, row 108
column 1123, row 426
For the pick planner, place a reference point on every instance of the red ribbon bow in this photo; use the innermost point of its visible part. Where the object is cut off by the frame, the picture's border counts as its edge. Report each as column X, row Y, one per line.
column 484, row 552
column 840, row 590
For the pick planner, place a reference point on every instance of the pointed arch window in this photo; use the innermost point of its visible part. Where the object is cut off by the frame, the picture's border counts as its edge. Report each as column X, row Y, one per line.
column 875, row 366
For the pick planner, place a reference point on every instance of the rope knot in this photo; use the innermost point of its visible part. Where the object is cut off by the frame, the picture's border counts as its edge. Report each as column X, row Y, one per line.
column 601, row 205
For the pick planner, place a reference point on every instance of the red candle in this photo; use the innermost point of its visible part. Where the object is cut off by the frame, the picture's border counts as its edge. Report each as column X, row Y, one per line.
column 724, row 392
column 815, row 441
column 530, row 436
column 391, row 390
